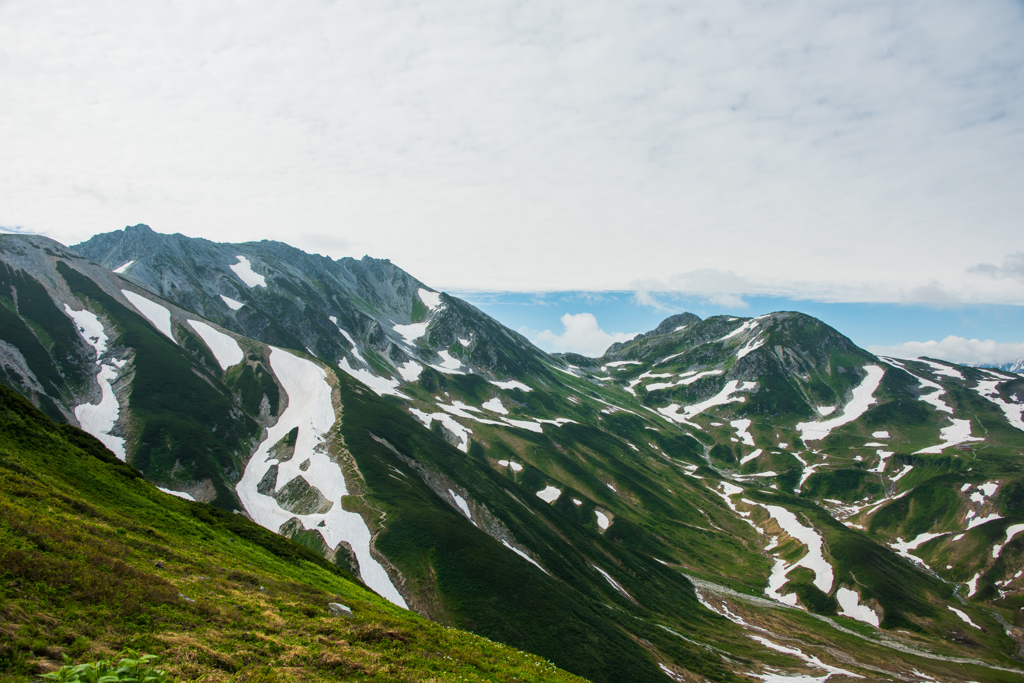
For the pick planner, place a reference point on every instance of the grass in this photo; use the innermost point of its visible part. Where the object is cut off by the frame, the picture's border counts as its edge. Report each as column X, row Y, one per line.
column 94, row 559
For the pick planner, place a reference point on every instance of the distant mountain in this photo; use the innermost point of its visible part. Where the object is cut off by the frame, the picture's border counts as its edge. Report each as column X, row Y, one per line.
column 713, row 499
column 1016, row 366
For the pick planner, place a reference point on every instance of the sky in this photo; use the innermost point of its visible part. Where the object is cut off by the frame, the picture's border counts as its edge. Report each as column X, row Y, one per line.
column 860, row 159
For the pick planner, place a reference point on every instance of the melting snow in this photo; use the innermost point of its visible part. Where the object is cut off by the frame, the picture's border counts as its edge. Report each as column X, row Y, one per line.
column 550, row 494
column 449, row 365
column 159, row 316
column 813, row 560
column 957, row 433
column 494, row 405
column 903, row 548
column 411, row 332
column 224, row 347
column 749, row 325
column 688, row 379
column 753, row 456
column 602, row 519
column 461, row 433
column 849, row 600
column 231, row 303
column 619, row 363
column 310, row 409
column 176, row 494
column 99, row 419
column 964, row 616
column 246, row 274
column 721, row 398
column 882, row 457
column 523, row 555
column 1014, row 413
column 510, row 384
column 752, row 345
column 880, row 435
column 826, row 410
column 461, row 502
column 1011, row 531
column 983, row 520
column 862, row 399
column 123, row 267
column 431, row 299
column 613, row 582
column 379, row 385
column 940, row 369
column 972, row 585
column 741, row 427
column 410, row 370
column 516, row 467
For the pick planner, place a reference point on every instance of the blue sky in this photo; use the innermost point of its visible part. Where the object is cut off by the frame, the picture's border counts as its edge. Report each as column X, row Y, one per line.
column 883, row 328
column 864, row 154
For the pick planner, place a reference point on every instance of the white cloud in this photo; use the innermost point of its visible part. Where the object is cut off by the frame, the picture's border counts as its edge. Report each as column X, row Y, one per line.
column 838, row 150
column 956, row 350
column 580, row 334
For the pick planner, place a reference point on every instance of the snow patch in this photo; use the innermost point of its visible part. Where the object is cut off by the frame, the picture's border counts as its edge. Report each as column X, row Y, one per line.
column 123, row 267
column 449, row 365
column 411, row 332
column 964, row 616
column 461, row 433
column 516, row 467
column 231, row 303
column 510, row 384
column 176, row 494
column 602, row 519
column 955, row 434
column 1011, row 531
column 613, row 582
column 741, row 427
column 311, row 411
column 1014, row 413
column 247, row 275
column 721, row 398
column 523, row 555
column 862, row 399
column 495, row 406
column 159, row 316
column 753, row 456
column 461, row 502
column 430, row 299
column 380, row 385
column 849, row 600
column 99, row 419
column 410, row 370
column 880, row 435
column 550, row 494
column 224, row 347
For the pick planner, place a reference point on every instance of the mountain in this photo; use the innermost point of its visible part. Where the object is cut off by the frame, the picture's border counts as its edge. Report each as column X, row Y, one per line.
column 712, row 500
column 1016, row 366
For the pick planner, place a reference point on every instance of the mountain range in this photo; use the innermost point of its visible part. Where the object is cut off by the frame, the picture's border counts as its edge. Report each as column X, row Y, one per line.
column 717, row 499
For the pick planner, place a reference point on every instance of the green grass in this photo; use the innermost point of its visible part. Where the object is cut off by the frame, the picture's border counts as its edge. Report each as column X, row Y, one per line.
column 93, row 559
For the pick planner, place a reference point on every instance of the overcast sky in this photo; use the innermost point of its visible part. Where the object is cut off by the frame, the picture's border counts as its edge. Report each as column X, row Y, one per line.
column 830, row 151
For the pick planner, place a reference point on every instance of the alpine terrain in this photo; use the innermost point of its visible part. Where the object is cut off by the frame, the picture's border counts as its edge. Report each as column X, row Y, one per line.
column 724, row 499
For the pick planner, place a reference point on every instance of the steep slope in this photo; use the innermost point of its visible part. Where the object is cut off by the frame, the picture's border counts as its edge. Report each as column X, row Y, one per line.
column 93, row 558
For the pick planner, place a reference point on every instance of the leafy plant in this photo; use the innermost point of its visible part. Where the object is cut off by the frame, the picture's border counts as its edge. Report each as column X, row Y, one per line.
column 131, row 667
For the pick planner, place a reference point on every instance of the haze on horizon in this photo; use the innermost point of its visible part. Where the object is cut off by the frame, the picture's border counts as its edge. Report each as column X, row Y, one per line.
column 831, row 152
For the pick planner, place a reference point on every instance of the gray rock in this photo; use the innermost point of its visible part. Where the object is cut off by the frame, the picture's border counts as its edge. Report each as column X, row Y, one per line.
column 338, row 610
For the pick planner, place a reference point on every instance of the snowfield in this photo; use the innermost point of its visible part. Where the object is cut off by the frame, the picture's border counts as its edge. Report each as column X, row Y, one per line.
column 511, row 384
column 231, row 303
column 550, row 494
column 849, row 600
column 430, row 299
column 721, row 398
column 156, row 314
column 224, row 347
column 380, row 385
column 863, row 398
column 813, row 560
column 957, row 433
column 311, row 411
column 99, row 419
column 1014, row 413
column 411, row 332
column 247, row 275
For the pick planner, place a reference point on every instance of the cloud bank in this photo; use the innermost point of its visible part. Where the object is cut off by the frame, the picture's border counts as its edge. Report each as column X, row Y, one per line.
column 838, row 150
column 956, row 350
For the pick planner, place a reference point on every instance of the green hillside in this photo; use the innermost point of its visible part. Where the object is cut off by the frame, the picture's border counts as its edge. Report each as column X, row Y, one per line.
column 93, row 559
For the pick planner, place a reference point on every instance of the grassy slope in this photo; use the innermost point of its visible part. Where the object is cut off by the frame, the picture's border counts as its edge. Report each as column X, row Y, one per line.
column 81, row 536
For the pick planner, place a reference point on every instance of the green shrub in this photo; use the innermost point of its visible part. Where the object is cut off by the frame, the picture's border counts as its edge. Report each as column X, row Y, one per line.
column 131, row 668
